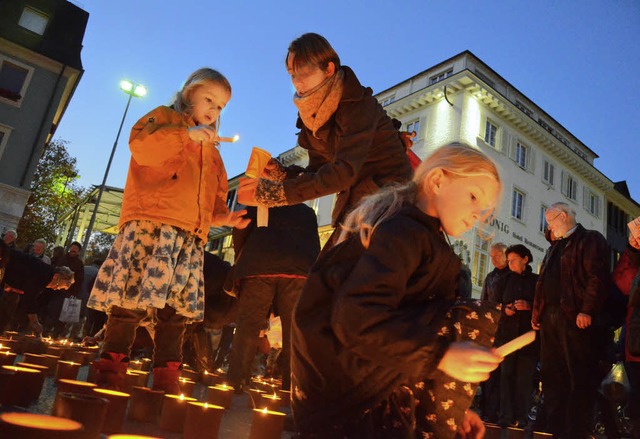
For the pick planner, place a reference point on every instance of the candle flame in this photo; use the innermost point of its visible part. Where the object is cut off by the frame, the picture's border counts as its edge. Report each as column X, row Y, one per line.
column 236, row 138
column 224, row 386
column 206, row 405
column 206, row 372
column 264, row 410
column 182, row 397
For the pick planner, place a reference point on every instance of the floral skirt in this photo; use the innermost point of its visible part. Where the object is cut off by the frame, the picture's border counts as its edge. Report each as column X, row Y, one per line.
column 152, row 265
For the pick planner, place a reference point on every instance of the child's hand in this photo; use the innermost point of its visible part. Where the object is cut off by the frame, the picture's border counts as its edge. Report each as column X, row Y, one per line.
column 468, row 361
column 472, row 426
column 247, row 191
column 233, row 219
column 203, row 133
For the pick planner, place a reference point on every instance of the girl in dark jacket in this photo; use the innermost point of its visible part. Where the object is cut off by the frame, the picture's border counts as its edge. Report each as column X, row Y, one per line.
column 354, row 147
column 379, row 348
column 516, row 374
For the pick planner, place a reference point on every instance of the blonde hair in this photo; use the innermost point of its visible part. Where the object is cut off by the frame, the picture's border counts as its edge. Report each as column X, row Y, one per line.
column 457, row 159
column 181, row 102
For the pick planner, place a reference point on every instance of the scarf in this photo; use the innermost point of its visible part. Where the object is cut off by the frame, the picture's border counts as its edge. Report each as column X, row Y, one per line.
column 319, row 104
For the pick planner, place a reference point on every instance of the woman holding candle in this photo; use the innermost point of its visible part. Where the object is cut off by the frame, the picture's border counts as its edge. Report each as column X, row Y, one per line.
column 379, row 347
column 176, row 189
column 354, row 147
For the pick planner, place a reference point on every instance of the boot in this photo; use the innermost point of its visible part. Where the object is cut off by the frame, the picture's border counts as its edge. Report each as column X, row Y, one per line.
column 166, row 378
column 110, row 370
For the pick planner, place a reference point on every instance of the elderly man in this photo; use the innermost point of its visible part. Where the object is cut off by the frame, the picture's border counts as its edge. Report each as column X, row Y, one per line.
column 573, row 285
column 38, row 250
column 9, row 237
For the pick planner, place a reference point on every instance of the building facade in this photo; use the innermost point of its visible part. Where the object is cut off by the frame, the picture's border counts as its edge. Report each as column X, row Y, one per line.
column 40, row 67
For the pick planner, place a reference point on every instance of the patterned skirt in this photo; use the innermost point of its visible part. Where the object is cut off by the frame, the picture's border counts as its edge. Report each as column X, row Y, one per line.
column 152, row 265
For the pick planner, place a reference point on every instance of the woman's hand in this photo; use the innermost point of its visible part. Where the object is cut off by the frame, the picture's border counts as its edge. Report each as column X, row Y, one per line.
column 203, row 133
column 468, row 361
column 509, row 310
column 472, row 426
column 522, row 305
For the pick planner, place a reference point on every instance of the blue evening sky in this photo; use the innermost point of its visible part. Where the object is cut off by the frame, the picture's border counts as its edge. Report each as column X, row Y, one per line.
column 578, row 60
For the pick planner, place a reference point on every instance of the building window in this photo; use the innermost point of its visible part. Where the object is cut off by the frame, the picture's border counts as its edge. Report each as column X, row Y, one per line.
column 14, row 78
column 490, row 133
column 543, row 219
column 591, row 202
column 314, row 204
column 480, row 260
column 517, row 205
column 231, row 198
column 388, row 100
column 569, row 186
column 440, row 77
column 521, row 156
column 414, row 125
column 33, row 20
column 548, row 173
column 4, row 137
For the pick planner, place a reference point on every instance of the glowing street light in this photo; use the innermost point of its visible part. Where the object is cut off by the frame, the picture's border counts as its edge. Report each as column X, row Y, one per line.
column 134, row 91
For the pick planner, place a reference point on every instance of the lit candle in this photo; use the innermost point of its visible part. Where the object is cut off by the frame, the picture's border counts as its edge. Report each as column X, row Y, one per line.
column 233, row 139
column 116, row 409
column 174, row 411
column 202, row 420
column 145, row 404
column 186, row 386
column 67, row 369
column 135, row 365
column 209, row 379
column 7, row 358
column 266, row 424
column 270, row 402
column 89, row 410
column 21, row 388
column 35, row 426
column 135, row 378
column 220, row 395
column 146, row 364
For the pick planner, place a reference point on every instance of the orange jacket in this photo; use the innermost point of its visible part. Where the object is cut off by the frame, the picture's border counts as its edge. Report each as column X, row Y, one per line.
column 172, row 179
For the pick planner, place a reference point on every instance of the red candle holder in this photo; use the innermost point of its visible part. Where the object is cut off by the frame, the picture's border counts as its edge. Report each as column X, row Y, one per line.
column 174, row 411
column 266, row 424
column 116, row 410
column 36, row 426
column 7, row 358
column 220, row 395
column 202, row 421
column 67, row 370
column 21, row 386
column 89, row 410
column 145, row 404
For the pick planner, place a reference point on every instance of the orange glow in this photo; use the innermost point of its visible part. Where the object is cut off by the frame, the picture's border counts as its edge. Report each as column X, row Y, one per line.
column 206, row 372
column 40, row 422
column 111, row 392
column 21, row 369
column 265, row 411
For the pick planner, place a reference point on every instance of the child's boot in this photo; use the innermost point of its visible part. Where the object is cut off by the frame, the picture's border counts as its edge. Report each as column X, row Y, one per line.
column 167, row 378
column 110, row 370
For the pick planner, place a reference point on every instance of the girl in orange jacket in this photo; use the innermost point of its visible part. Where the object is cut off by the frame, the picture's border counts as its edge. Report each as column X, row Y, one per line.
column 176, row 190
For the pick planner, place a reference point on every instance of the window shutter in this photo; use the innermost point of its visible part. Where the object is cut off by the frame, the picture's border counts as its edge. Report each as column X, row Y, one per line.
column 585, row 198
column 563, row 183
column 531, row 160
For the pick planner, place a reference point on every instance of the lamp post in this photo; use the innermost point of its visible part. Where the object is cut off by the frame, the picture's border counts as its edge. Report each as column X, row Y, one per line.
column 133, row 90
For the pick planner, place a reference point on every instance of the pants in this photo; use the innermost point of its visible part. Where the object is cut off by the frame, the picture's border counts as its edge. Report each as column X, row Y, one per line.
column 490, row 402
column 516, row 386
column 256, row 295
column 568, row 371
column 168, row 335
column 633, row 409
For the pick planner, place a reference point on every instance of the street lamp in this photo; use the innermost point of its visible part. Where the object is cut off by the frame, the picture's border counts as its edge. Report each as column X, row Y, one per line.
column 133, row 90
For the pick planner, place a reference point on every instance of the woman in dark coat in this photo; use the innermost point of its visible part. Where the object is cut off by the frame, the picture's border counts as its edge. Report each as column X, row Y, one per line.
column 354, row 147
column 517, row 369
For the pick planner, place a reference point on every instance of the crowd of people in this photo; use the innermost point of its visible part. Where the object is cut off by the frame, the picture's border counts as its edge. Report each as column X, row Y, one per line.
column 379, row 336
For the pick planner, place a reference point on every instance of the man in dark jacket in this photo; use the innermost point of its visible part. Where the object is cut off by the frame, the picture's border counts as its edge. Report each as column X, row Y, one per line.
column 271, row 268
column 574, row 282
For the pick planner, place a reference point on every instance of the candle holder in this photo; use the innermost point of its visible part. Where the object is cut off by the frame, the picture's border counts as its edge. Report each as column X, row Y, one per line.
column 285, row 396
column 492, row 431
column 35, row 426
column 270, row 402
column 52, row 349
column 145, row 404
column 220, row 395
column 89, row 410
column 76, row 356
column 131, row 436
column 33, row 345
column 135, row 365
column 202, row 421
column 209, row 379
column 515, row 433
column 190, row 374
column 186, row 386
column 266, row 424
column 7, row 358
column 21, row 386
column 255, row 396
column 67, row 370
column 29, row 357
column 542, row 435
column 43, row 369
column 116, row 410
column 135, row 378
column 173, row 413
column 51, row 361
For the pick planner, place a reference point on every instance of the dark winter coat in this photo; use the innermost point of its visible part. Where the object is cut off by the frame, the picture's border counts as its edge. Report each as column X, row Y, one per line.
column 367, row 319
column 29, row 274
column 585, row 275
column 355, row 153
column 494, row 284
column 627, row 269
column 219, row 308
column 289, row 245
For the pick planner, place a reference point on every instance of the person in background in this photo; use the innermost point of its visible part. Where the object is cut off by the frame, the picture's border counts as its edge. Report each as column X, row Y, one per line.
column 574, row 282
column 9, row 237
column 517, row 369
column 38, row 249
column 492, row 291
column 627, row 277
column 176, row 190
column 354, row 147
column 379, row 346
